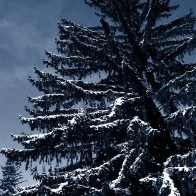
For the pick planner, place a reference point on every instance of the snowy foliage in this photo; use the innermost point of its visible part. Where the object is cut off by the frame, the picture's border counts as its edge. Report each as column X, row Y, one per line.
column 118, row 112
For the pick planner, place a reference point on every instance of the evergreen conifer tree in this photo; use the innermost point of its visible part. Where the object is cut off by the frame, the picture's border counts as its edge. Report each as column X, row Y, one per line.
column 12, row 177
column 119, row 108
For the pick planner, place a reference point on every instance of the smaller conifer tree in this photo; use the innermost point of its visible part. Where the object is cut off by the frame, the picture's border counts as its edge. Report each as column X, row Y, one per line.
column 12, row 177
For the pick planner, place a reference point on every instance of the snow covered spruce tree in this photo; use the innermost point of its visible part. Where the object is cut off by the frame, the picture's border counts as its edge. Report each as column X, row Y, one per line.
column 12, row 177
column 118, row 110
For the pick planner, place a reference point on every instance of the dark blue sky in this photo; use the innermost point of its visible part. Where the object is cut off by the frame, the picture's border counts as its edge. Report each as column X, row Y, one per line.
column 27, row 28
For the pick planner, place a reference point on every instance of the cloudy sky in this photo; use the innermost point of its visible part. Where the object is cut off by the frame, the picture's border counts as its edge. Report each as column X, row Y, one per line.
column 27, row 28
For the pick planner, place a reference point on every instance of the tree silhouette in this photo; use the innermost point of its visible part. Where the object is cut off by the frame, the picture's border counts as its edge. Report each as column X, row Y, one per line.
column 119, row 108
column 12, row 177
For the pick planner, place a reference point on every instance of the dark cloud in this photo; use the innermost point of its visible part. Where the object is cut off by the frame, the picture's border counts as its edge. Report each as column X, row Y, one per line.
column 28, row 27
